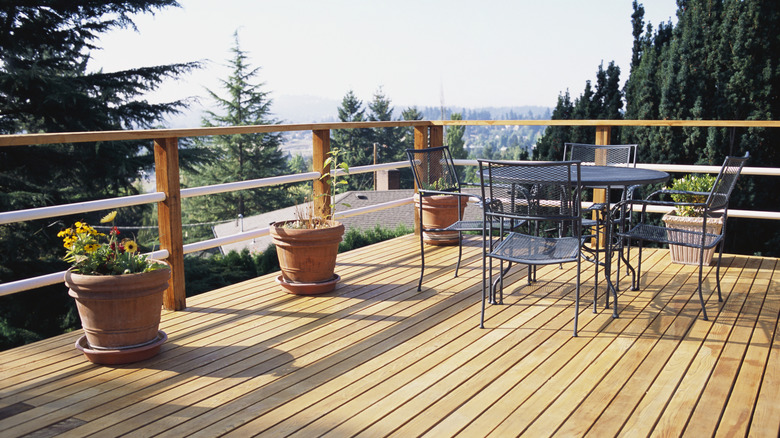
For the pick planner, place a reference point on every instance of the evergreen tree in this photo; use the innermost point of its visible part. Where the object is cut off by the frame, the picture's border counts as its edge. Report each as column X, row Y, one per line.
column 603, row 102
column 46, row 85
column 719, row 62
column 454, row 138
column 239, row 157
column 354, row 143
column 381, row 110
column 550, row 145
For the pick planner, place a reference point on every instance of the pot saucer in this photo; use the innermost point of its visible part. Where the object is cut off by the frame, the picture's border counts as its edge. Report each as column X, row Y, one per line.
column 308, row 288
column 121, row 356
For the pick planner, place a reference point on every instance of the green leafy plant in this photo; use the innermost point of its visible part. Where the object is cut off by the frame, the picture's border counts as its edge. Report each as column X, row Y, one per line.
column 691, row 183
column 439, row 185
column 306, row 215
column 93, row 253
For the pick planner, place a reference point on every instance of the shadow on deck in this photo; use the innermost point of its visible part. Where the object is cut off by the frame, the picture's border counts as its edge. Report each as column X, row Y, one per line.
column 376, row 357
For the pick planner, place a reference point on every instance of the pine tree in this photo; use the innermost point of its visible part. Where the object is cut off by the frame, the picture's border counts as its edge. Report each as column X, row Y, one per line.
column 603, row 102
column 381, row 109
column 47, row 85
column 454, row 138
column 721, row 61
column 550, row 145
column 354, row 143
column 239, row 157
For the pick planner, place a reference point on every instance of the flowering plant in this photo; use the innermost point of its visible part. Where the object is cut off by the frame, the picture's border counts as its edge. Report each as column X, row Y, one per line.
column 93, row 253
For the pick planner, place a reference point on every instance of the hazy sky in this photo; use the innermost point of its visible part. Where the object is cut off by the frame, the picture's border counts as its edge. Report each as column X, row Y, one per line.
column 485, row 53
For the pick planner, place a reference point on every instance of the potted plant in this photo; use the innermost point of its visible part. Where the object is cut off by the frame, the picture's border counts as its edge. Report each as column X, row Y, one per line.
column 307, row 246
column 118, row 294
column 690, row 218
column 440, row 211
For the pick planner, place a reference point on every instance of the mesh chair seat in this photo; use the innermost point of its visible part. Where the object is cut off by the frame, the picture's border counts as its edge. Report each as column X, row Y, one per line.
column 673, row 236
column 531, row 250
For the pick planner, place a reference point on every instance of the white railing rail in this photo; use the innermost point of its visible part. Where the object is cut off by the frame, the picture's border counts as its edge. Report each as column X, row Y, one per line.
column 168, row 194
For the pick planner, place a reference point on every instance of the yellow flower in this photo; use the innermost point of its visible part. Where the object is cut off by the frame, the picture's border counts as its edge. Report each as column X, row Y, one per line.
column 131, row 246
column 109, row 217
column 92, row 247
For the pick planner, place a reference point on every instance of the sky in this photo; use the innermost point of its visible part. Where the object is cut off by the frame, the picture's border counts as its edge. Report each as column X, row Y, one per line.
column 458, row 53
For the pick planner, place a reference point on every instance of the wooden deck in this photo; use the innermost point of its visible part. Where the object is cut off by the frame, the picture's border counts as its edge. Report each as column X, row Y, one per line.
column 378, row 358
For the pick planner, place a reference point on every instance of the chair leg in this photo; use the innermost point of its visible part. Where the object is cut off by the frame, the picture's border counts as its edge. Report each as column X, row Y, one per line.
column 635, row 281
column 717, row 271
column 701, row 272
column 596, row 274
column 484, row 292
column 625, row 255
column 577, row 297
column 486, row 264
column 460, row 252
column 422, row 260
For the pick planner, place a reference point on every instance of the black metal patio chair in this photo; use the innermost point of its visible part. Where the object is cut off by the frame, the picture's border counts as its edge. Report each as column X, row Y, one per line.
column 435, row 175
column 544, row 196
column 716, row 205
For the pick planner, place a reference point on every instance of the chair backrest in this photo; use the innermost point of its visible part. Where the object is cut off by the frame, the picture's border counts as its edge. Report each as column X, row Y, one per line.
column 535, row 191
column 725, row 182
column 433, row 169
column 603, row 155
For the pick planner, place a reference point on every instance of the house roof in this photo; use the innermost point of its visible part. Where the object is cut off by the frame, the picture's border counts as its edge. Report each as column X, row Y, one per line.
column 389, row 218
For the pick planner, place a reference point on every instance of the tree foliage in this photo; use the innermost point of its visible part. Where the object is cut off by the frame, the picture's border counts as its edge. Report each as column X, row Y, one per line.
column 239, row 157
column 721, row 61
column 355, row 144
column 605, row 101
column 46, row 85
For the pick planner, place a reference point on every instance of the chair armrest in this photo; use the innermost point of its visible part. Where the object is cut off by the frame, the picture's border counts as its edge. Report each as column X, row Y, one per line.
column 426, row 192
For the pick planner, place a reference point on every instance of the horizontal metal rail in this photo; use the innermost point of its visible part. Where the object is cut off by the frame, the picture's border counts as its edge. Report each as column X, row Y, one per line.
column 426, row 134
column 13, row 287
column 79, row 207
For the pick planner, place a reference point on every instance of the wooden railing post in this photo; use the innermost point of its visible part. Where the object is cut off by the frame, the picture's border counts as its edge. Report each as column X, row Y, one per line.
column 603, row 134
column 321, row 192
column 437, row 136
column 166, row 158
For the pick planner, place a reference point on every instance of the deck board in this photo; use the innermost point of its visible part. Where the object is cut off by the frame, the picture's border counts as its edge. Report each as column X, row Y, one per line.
column 378, row 358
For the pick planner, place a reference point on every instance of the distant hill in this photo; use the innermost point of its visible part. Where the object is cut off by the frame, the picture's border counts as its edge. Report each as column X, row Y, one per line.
column 314, row 109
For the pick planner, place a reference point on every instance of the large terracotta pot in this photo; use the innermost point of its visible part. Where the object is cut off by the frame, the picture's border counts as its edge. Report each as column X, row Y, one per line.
column 683, row 254
column 119, row 312
column 307, row 256
column 440, row 211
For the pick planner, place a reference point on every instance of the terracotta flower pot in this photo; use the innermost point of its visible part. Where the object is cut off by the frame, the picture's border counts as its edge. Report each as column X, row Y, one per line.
column 119, row 312
column 440, row 211
column 683, row 254
column 307, row 256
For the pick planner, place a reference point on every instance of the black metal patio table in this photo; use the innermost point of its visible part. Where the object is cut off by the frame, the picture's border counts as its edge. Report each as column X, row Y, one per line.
column 608, row 178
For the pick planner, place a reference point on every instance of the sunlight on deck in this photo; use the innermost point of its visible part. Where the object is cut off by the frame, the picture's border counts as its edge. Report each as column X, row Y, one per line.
column 378, row 358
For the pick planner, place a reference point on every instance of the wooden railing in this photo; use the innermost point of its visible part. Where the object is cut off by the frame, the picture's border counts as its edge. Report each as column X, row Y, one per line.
column 169, row 193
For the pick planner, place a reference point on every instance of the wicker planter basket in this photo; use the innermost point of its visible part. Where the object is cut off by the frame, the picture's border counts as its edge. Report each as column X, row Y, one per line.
column 683, row 254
